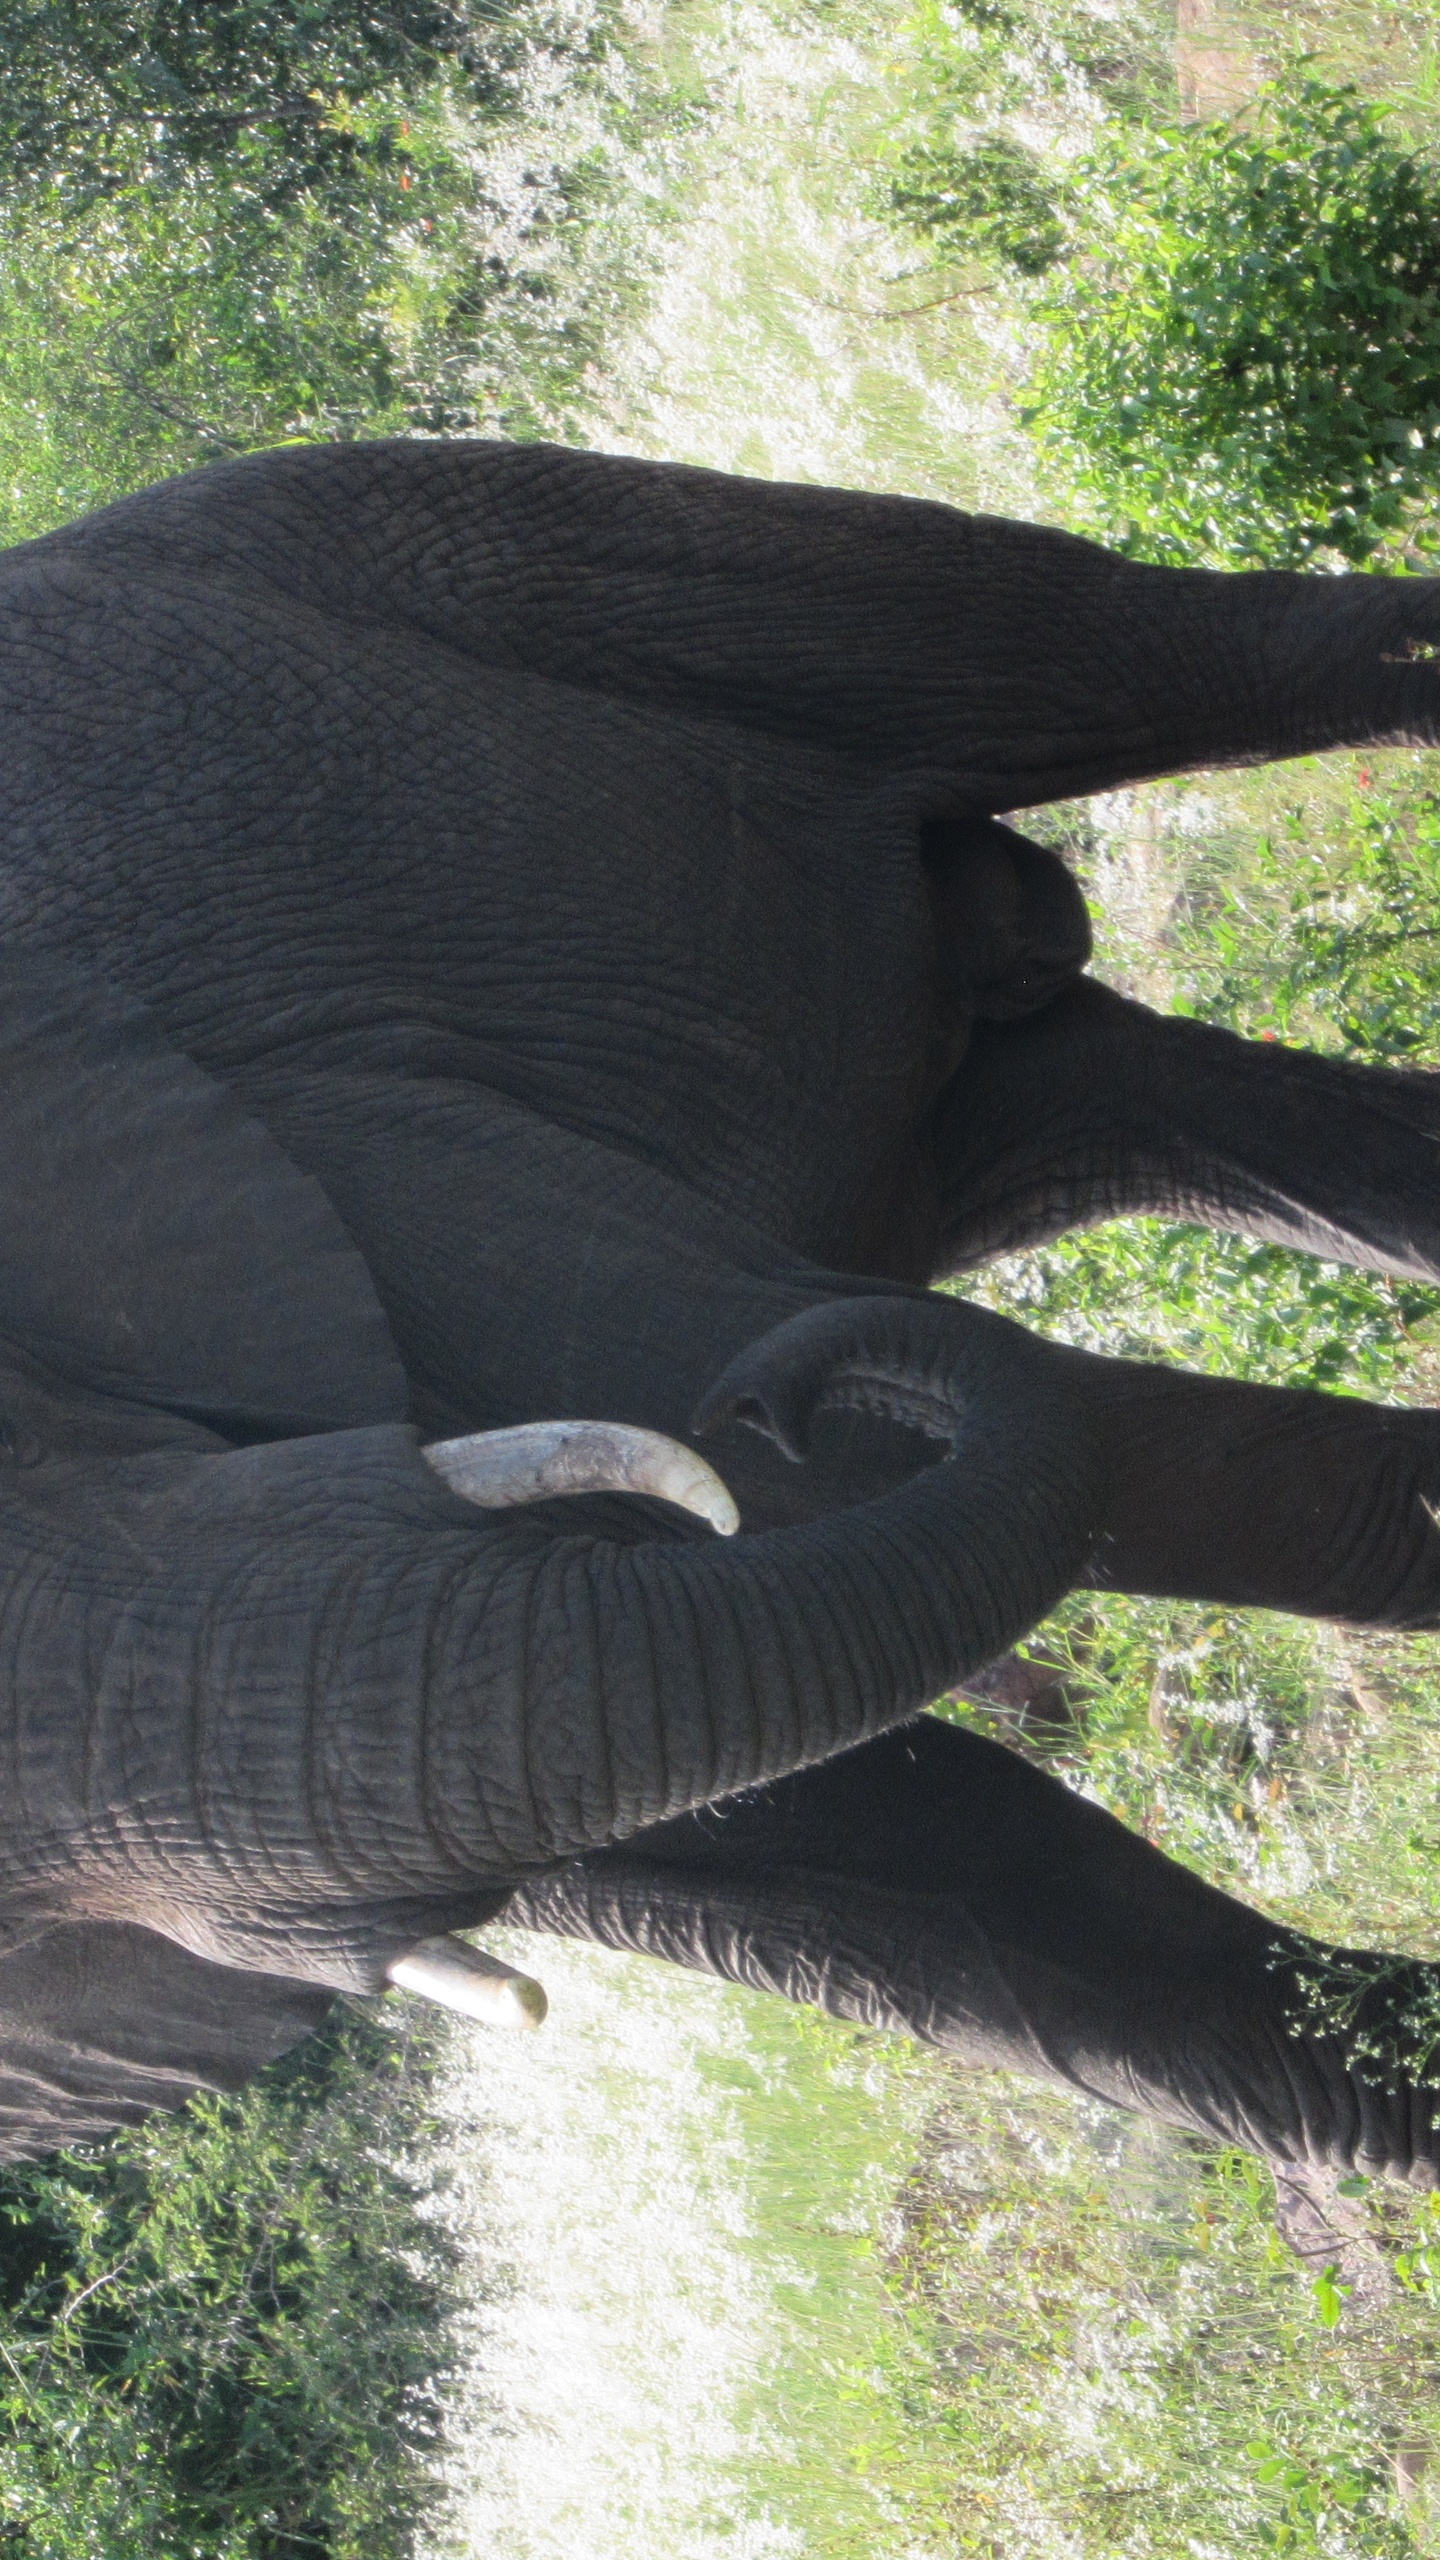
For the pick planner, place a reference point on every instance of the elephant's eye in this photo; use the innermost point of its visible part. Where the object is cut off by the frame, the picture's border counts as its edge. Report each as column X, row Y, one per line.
column 18, row 1447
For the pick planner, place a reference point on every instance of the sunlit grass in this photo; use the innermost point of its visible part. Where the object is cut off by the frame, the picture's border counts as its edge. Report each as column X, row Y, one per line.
column 1135, row 2362
column 782, row 342
column 696, row 2355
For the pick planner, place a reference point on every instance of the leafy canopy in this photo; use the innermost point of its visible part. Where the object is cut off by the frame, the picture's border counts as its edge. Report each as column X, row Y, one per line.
column 87, row 87
column 1244, row 364
column 226, row 228
column 227, row 2334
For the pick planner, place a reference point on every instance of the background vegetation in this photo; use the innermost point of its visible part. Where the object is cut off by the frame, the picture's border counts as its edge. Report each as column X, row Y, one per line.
column 227, row 2333
column 225, row 227
column 1242, row 361
column 1237, row 344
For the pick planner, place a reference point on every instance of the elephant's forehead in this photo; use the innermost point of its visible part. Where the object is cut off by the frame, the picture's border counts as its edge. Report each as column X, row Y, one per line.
column 276, row 826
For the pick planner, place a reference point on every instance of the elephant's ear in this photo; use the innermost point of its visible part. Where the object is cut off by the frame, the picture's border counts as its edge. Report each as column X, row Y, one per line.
column 101, row 2022
column 156, row 1243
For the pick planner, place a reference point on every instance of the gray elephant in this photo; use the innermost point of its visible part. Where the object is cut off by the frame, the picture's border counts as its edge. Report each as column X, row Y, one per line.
column 494, row 935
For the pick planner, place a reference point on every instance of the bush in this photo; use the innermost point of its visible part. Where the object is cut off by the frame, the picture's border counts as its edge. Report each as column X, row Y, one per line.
column 276, row 223
column 992, row 197
column 1245, row 364
column 223, row 2336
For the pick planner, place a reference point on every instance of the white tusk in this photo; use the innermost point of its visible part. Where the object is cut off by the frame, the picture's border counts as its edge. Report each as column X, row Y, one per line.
column 479, row 1986
column 539, row 1459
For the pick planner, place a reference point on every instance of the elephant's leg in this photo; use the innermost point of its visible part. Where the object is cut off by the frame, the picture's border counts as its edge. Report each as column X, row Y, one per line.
column 1195, row 1488
column 1011, row 662
column 1269, row 1498
column 530, row 1274
column 933, row 1882
column 1097, row 1108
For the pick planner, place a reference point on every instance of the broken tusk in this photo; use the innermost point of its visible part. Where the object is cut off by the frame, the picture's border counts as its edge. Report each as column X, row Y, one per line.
column 479, row 1986
column 539, row 1459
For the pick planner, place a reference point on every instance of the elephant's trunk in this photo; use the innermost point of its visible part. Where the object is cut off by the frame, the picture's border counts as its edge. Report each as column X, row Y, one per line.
column 316, row 1708
column 642, row 1679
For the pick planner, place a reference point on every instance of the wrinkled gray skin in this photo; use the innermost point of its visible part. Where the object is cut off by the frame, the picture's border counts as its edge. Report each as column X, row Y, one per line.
column 492, row 934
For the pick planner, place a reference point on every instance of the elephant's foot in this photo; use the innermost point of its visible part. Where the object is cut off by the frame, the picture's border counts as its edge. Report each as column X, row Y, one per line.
column 1364, row 2040
column 1313, row 2097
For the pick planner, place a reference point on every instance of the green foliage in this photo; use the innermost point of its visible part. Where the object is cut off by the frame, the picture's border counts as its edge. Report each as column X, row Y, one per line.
column 90, row 92
column 1300, row 2496
column 1185, row 1721
column 224, row 2335
column 224, row 229
column 971, row 189
column 1382, row 2008
column 1245, row 365
column 1151, row 1290
column 977, row 60
column 992, row 197
column 1336, row 945
column 1418, row 2266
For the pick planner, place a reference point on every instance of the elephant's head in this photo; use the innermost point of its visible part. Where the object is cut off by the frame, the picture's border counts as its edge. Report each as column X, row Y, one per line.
column 280, row 1703
column 286, row 1697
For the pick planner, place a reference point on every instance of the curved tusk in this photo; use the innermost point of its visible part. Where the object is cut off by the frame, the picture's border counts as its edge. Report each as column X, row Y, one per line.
column 539, row 1459
column 479, row 1986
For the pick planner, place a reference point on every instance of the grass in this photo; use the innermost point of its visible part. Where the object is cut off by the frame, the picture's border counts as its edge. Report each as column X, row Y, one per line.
column 697, row 2354
column 1135, row 2363
column 1389, row 52
column 850, row 2434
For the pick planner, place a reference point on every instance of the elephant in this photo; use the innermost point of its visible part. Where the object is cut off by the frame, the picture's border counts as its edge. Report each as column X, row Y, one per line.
column 496, row 937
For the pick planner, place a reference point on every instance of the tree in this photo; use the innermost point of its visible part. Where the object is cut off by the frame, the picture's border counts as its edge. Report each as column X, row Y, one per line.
column 992, row 197
column 1243, row 365
column 91, row 88
column 225, row 228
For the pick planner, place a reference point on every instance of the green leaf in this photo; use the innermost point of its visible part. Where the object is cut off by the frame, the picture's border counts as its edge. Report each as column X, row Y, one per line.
column 1329, row 2296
